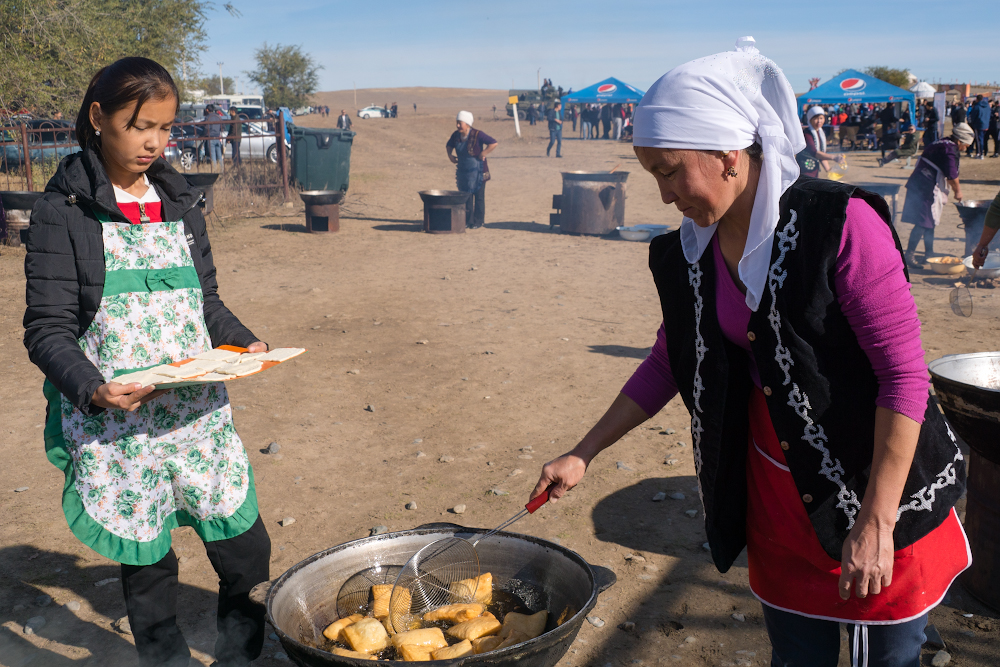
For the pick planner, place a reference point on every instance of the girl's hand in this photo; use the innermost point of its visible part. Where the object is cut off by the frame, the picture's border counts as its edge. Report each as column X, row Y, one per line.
column 115, row 395
column 258, row 346
column 562, row 474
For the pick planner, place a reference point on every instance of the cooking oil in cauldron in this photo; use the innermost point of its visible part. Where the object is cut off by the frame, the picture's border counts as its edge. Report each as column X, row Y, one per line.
column 525, row 599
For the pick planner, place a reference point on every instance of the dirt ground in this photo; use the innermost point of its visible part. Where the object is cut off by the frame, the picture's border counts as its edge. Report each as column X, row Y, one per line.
column 528, row 335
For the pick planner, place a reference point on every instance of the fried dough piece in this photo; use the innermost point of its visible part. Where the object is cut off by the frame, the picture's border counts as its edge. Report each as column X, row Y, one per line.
column 382, row 595
column 366, row 636
column 486, row 644
column 487, row 624
column 412, row 653
column 333, row 630
column 431, row 638
column 473, row 590
column 464, row 647
column 455, row 613
column 409, row 622
column 567, row 613
column 530, row 626
column 346, row 653
column 513, row 639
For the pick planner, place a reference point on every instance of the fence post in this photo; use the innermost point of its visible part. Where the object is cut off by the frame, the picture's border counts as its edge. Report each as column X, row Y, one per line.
column 282, row 158
column 26, row 160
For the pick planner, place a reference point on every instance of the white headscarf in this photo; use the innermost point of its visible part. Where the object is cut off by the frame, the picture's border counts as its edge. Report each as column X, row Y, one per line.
column 726, row 102
column 819, row 137
column 465, row 117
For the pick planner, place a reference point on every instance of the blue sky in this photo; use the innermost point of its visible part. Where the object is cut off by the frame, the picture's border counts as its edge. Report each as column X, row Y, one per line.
column 475, row 44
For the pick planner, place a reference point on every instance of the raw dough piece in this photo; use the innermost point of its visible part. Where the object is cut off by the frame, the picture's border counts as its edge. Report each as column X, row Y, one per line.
column 282, row 353
column 464, row 647
column 240, row 370
column 204, row 365
column 249, row 356
column 218, row 354
column 486, row 644
column 415, row 653
column 366, row 636
column 215, row 377
column 531, row 626
column 333, row 630
column 145, row 378
column 462, row 591
column 431, row 638
column 487, row 624
column 346, row 653
column 455, row 613
column 169, row 371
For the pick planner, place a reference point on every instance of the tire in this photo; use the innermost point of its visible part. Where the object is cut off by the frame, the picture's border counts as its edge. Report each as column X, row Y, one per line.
column 187, row 159
column 272, row 154
column 521, row 115
column 366, row 116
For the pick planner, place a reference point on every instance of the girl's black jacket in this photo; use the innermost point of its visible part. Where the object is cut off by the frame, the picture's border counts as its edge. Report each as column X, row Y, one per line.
column 64, row 268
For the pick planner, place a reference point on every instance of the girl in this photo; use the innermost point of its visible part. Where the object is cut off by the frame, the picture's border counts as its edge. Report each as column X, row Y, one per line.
column 120, row 276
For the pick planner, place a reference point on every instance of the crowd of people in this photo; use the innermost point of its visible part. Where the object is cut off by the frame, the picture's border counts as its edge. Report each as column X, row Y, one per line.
column 602, row 121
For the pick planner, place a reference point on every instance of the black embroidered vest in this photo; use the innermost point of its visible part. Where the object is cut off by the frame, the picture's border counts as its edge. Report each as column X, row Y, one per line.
column 819, row 384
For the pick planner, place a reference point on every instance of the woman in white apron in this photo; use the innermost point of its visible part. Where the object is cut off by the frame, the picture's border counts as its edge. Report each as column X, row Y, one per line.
column 120, row 277
column 927, row 188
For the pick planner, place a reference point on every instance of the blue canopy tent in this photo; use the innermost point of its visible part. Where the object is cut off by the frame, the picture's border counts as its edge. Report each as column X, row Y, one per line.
column 609, row 91
column 854, row 87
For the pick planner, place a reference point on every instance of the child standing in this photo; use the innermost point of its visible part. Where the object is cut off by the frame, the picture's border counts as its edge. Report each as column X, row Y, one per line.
column 120, row 276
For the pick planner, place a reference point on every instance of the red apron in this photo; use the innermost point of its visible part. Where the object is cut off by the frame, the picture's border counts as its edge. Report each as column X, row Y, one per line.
column 789, row 569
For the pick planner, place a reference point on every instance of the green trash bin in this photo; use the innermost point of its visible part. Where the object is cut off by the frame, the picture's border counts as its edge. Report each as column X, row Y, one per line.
column 321, row 159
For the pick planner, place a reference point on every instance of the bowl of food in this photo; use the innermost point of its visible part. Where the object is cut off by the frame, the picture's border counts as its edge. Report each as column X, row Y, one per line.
column 990, row 268
column 634, row 233
column 946, row 266
column 525, row 608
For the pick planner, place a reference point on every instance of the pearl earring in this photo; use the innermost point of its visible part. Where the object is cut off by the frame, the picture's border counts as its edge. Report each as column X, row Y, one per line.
column 97, row 132
column 731, row 171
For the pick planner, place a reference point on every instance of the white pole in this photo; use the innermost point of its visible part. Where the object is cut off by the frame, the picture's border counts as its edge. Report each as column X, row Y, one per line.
column 355, row 94
column 222, row 90
column 517, row 125
column 539, row 78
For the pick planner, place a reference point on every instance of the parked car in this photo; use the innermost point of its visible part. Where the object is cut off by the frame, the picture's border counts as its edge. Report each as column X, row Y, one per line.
column 182, row 147
column 255, row 144
column 47, row 139
column 373, row 112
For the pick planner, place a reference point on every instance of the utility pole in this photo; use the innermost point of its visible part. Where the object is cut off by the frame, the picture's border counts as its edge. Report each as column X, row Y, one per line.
column 222, row 90
column 355, row 94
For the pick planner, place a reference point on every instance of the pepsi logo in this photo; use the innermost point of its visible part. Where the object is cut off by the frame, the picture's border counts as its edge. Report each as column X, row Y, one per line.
column 852, row 84
column 606, row 88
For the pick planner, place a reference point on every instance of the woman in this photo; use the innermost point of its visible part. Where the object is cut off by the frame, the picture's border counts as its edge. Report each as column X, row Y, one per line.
column 927, row 188
column 907, row 147
column 814, row 154
column 471, row 147
column 120, row 277
column 790, row 333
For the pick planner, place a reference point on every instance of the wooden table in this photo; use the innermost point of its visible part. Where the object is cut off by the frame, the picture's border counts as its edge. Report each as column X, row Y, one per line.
column 884, row 189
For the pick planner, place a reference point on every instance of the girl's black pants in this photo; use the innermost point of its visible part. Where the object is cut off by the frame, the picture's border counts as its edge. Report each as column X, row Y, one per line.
column 151, row 599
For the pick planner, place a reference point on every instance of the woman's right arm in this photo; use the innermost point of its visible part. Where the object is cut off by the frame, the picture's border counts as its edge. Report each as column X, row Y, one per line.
column 52, row 316
column 647, row 391
column 989, row 231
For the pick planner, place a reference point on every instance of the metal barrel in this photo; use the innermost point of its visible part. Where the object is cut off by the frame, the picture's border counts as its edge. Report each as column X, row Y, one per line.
column 592, row 202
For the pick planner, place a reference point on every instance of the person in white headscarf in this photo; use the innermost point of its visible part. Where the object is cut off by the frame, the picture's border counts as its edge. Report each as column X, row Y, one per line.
column 814, row 154
column 471, row 147
column 791, row 335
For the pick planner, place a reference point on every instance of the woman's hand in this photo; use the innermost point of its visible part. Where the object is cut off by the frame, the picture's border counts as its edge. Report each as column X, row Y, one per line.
column 128, row 397
column 453, row 158
column 979, row 256
column 258, row 346
column 562, row 474
column 867, row 559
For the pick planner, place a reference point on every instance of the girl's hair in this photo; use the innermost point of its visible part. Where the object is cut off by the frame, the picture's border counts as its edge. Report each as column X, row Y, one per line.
column 118, row 85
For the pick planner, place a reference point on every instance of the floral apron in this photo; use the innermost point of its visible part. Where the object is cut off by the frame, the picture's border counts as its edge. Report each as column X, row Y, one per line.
column 131, row 477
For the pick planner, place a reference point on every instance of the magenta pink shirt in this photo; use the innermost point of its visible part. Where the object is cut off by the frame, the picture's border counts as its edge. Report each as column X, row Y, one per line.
column 874, row 296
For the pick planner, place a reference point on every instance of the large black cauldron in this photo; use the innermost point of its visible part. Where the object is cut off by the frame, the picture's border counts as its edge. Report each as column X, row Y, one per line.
column 303, row 600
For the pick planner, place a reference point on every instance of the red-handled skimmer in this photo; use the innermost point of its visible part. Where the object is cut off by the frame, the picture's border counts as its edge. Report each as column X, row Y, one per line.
column 530, row 508
column 429, row 578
